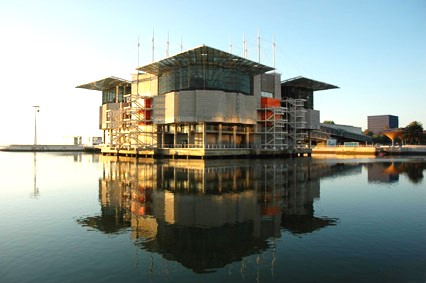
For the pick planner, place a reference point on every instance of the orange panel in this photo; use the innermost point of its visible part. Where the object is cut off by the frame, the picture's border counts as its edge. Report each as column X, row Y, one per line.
column 266, row 102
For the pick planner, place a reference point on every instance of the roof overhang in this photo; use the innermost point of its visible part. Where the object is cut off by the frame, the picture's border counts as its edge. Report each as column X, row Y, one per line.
column 303, row 82
column 104, row 84
column 205, row 55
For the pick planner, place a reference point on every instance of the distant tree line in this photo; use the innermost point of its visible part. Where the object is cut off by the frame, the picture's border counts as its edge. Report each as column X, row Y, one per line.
column 328, row 122
column 413, row 134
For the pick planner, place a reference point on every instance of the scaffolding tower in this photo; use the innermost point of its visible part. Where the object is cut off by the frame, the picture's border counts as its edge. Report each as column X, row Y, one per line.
column 129, row 123
column 114, row 123
column 138, row 121
column 296, row 117
column 272, row 127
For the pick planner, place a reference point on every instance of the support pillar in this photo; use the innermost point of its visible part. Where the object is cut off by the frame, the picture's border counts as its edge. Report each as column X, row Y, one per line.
column 204, row 135
column 309, row 139
column 234, row 136
column 247, row 136
column 220, row 135
column 163, row 135
column 175, row 135
column 189, row 136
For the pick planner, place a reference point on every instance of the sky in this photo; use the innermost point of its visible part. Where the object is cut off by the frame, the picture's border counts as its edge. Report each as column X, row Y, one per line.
column 374, row 50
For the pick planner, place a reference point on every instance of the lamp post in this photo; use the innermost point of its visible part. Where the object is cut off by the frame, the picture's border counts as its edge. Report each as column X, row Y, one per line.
column 36, row 109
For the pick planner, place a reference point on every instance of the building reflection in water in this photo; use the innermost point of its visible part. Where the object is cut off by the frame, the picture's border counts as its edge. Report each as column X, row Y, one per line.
column 206, row 214
column 388, row 172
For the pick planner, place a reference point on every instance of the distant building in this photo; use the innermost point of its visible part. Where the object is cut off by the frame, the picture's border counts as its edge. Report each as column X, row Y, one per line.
column 344, row 133
column 378, row 123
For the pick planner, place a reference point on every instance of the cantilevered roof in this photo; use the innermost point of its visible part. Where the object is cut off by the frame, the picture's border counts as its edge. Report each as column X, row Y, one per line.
column 104, row 84
column 307, row 83
column 205, row 55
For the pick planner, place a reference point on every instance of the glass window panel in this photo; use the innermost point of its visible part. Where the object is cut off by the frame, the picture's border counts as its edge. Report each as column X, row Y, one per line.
column 201, row 76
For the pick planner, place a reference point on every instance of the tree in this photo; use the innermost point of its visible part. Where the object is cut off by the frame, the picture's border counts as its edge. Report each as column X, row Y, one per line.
column 381, row 139
column 328, row 122
column 413, row 132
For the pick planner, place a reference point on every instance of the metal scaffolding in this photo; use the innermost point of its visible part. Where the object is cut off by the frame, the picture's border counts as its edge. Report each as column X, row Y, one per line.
column 138, row 121
column 272, row 127
column 296, row 117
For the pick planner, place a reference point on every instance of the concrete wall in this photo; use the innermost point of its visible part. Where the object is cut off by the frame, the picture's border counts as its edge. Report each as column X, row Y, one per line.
column 159, row 109
column 312, row 119
column 257, row 82
column 206, row 106
column 344, row 150
column 144, row 84
column 271, row 82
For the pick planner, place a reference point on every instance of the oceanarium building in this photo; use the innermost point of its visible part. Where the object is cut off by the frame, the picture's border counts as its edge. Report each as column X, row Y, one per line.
column 205, row 102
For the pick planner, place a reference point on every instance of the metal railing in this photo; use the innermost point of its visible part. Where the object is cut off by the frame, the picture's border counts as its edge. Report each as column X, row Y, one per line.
column 208, row 146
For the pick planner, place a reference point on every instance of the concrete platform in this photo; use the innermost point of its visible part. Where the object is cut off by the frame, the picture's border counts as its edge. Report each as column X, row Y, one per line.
column 204, row 153
column 41, row 147
column 352, row 150
column 371, row 150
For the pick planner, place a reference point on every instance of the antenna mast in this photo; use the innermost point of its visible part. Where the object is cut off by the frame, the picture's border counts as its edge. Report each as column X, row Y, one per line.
column 273, row 50
column 258, row 45
column 138, row 50
column 168, row 45
column 244, row 46
column 153, row 45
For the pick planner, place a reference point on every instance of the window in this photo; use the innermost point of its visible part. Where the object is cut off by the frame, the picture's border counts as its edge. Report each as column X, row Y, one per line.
column 267, row 94
column 201, row 76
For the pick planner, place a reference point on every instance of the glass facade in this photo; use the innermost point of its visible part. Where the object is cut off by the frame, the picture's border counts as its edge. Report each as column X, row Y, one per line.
column 299, row 93
column 114, row 95
column 205, row 76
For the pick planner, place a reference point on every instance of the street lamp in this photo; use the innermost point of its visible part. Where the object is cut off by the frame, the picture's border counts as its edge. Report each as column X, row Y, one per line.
column 36, row 109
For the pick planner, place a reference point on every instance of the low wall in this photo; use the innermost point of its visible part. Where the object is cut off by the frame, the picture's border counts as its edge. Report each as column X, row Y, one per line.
column 41, row 147
column 405, row 150
column 355, row 150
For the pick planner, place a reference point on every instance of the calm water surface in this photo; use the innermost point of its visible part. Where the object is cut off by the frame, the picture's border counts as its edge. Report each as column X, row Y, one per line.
column 89, row 218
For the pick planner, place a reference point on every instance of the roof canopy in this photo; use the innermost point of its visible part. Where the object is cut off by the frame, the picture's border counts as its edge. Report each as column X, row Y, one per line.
column 205, row 55
column 104, row 84
column 307, row 83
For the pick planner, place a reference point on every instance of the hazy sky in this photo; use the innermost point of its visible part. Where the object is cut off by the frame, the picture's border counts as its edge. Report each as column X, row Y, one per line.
column 375, row 51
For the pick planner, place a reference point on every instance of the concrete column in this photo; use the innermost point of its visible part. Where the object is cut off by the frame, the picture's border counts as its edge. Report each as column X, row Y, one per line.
column 189, row 135
column 204, row 135
column 220, row 135
column 309, row 138
column 247, row 136
column 175, row 135
column 234, row 136
column 116, row 94
column 163, row 135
